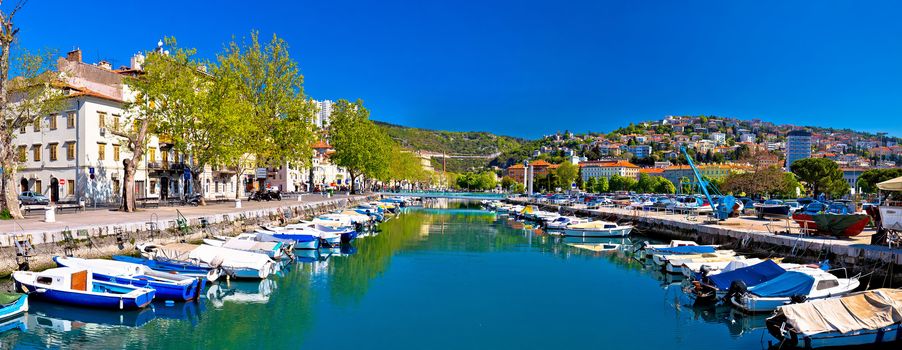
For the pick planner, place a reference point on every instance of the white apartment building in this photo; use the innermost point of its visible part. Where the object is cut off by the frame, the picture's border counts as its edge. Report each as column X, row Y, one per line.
column 323, row 113
column 72, row 155
column 718, row 138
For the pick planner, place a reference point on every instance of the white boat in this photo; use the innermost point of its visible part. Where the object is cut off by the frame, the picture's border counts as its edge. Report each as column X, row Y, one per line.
column 597, row 229
column 868, row 318
column 562, row 221
column 235, row 263
column 661, row 259
column 690, row 269
column 270, row 249
column 802, row 284
column 678, row 265
column 646, row 249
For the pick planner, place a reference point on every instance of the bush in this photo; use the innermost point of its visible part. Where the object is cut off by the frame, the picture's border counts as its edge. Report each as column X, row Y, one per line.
column 5, row 215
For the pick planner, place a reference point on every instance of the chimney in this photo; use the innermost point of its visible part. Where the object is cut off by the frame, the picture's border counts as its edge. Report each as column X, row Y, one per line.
column 105, row 65
column 74, row 55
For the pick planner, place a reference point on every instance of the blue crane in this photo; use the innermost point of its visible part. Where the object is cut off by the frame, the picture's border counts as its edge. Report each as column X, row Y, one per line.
column 724, row 205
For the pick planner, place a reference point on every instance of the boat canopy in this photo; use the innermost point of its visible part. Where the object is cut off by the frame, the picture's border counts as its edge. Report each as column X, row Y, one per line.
column 686, row 250
column 868, row 310
column 891, row 185
column 787, row 284
column 750, row 275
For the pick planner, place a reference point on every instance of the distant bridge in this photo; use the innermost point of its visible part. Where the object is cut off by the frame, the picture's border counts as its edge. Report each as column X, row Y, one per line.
column 449, row 195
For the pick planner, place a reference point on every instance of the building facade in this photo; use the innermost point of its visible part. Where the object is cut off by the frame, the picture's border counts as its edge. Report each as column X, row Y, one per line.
column 798, row 146
column 607, row 169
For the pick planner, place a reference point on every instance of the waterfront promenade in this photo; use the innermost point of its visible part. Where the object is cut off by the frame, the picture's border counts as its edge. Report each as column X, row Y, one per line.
column 107, row 217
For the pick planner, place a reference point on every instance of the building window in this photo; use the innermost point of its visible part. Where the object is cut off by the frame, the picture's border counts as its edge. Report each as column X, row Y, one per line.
column 115, row 122
column 22, row 129
column 37, row 124
column 38, row 186
column 70, row 187
column 36, row 152
column 101, row 120
column 52, row 148
column 116, row 152
column 101, row 151
column 22, row 155
column 115, row 186
column 70, row 150
column 152, row 154
column 70, row 120
column 153, row 186
column 53, row 121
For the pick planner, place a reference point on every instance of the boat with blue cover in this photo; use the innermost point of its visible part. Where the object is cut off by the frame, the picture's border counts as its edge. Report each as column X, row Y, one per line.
column 74, row 286
column 302, row 237
column 715, row 287
column 794, row 286
column 168, row 286
column 12, row 305
column 173, row 266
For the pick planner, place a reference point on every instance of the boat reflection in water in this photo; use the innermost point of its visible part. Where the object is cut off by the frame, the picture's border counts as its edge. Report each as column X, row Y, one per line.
column 737, row 323
column 63, row 319
column 20, row 323
column 241, row 292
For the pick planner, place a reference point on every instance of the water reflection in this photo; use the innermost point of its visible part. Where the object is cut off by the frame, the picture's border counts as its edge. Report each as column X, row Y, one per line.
column 242, row 292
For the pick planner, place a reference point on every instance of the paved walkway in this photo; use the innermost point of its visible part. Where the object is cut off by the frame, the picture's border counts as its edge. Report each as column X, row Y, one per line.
column 34, row 222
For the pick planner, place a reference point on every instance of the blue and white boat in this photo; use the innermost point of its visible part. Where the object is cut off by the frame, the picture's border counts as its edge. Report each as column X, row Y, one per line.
column 303, row 239
column 12, row 305
column 173, row 266
column 802, row 284
column 272, row 249
column 74, row 286
column 234, row 263
column 168, row 286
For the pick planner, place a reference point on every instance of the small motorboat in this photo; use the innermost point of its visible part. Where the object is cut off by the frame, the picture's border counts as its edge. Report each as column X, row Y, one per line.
column 867, row 318
column 710, row 288
column 688, row 265
column 799, row 285
column 661, row 256
column 561, row 222
column 646, row 249
column 304, row 237
column 234, row 263
column 597, row 229
column 191, row 269
column 75, row 286
column 270, row 249
column 168, row 286
column 12, row 305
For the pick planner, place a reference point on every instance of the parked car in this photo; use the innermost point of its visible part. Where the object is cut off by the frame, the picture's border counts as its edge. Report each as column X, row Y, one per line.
column 33, row 198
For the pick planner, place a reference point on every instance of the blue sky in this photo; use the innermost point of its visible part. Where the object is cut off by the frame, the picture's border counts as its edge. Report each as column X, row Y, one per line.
column 528, row 68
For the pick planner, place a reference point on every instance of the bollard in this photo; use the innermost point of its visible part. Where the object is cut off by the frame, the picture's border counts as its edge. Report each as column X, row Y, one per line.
column 237, row 203
column 300, row 197
column 50, row 214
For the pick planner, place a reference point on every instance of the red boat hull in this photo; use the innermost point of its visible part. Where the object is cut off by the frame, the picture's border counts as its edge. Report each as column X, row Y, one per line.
column 847, row 228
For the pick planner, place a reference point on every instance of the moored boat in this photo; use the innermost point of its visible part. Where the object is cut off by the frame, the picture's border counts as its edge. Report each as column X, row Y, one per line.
column 12, row 305
column 860, row 319
column 168, row 286
column 597, row 229
column 73, row 286
column 794, row 286
column 235, row 263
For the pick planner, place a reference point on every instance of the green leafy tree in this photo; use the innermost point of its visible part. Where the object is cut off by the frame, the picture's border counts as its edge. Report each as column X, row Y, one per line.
column 820, row 175
column 621, row 183
column 591, row 184
column 360, row 147
column 664, row 186
column 869, row 179
column 507, row 183
column 566, row 173
column 602, row 186
column 646, row 184
column 24, row 100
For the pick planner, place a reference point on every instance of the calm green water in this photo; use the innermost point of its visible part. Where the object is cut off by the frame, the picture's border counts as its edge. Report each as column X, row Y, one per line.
column 432, row 279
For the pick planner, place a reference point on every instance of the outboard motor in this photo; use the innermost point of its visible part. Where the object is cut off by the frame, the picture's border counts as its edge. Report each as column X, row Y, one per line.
column 705, row 270
column 737, row 287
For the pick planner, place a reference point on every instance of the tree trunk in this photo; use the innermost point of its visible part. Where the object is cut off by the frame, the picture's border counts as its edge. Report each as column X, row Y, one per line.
column 128, row 189
column 238, row 174
column 9, row 192
column 198, row 186
column 353, row 182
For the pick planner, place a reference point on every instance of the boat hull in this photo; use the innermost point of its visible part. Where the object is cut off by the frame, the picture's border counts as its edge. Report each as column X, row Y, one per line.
column 617, row 232
column 164, row 290
column 84, row 299
column 849, row 225
column 14, row 310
